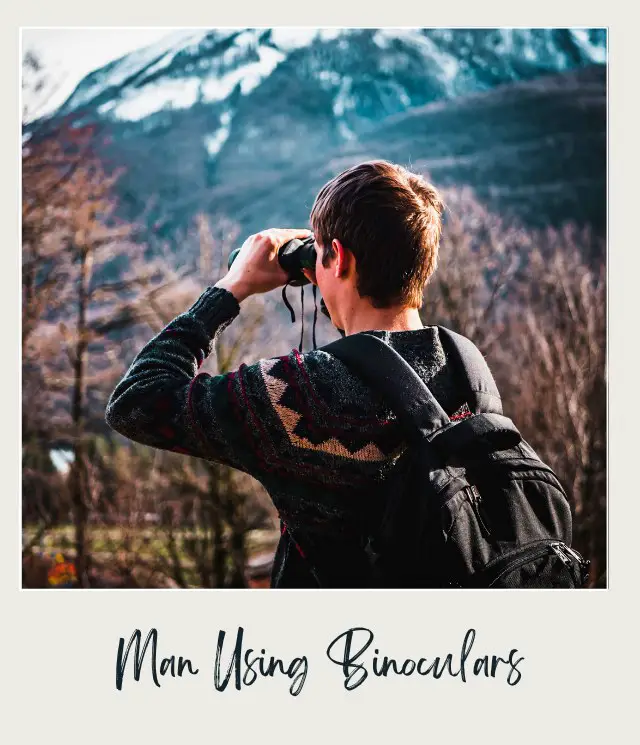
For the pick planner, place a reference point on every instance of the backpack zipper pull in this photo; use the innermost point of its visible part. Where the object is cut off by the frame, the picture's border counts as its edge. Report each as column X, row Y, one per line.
column 475, row 498
column 557, row 549
column 566, row 554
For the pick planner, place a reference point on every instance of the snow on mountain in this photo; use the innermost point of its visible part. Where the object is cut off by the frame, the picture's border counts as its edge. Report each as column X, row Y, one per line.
column 445, row 61
column 223, row 58
column 214, row 141
column 363, row 73
column 148, row 60
column 153, row 97
column 288, row 39
column 247, row 76
column 201, row 117
column 204, row 65
column 592, row 45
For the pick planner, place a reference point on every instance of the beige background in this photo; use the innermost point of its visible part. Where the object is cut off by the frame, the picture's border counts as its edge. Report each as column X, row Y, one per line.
column 59, row 648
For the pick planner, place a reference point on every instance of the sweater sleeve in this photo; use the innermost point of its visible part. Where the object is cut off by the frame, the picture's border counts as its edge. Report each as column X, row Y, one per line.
column 162, row 398
column 297, row 423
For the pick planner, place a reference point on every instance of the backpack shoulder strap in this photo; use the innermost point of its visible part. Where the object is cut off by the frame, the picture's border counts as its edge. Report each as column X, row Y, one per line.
column 417, row 409
column 473, row 372
column 384, row 370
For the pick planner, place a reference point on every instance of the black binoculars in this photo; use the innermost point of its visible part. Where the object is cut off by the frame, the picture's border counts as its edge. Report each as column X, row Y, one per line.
column 294, row 256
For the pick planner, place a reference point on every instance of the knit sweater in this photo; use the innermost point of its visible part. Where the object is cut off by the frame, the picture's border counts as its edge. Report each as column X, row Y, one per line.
column 323, row 444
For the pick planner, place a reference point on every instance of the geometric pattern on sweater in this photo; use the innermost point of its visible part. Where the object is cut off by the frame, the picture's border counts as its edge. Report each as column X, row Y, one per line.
column 318, row 439
column 290, row 419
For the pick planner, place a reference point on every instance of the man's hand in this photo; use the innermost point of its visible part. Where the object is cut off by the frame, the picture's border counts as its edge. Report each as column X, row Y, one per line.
column 256, row 268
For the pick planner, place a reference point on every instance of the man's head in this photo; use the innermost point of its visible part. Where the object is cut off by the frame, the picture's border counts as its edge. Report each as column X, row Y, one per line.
column 377, row 228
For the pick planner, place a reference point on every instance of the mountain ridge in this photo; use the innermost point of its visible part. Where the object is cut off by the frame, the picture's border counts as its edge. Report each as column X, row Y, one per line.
column 205, row 119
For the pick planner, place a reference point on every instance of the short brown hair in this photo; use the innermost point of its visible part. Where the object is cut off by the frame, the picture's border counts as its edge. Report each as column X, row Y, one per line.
column 390, row 220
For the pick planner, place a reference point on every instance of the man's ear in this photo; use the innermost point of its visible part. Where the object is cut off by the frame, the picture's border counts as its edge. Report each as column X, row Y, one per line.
column 343, row 258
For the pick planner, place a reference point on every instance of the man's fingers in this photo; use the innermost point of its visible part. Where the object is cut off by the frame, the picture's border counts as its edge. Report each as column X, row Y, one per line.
column 277, row 237
column 282, row 235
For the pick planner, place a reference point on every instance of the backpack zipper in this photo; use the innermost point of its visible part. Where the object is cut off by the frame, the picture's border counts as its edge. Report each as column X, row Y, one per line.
column 475, row 498
column 566, row 553
column 557, row 549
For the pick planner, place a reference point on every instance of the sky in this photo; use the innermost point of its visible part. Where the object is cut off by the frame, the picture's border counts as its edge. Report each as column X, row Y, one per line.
column 70, row 54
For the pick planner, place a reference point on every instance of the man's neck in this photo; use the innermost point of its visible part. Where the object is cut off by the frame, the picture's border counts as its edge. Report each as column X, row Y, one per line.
column 367, row 318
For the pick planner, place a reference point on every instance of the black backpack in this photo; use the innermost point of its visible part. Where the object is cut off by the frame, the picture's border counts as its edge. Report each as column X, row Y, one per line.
column 479, row 509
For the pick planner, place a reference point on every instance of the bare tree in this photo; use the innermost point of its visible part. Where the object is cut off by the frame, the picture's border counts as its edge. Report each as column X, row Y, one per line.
column 84, row 283
column 479, row 258
column 89, row 291
column 554, row 375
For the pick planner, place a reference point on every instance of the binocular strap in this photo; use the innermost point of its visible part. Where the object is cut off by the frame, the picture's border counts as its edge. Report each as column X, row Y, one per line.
column 285, row 300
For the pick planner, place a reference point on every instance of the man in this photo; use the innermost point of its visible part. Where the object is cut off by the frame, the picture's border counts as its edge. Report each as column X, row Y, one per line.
column 320, row 441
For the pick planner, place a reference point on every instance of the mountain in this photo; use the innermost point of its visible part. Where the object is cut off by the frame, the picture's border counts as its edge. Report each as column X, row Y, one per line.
column 250, row 122
column 534, row 150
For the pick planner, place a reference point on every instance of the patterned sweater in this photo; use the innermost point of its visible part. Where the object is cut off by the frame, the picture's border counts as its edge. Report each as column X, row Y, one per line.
column 323, row 444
